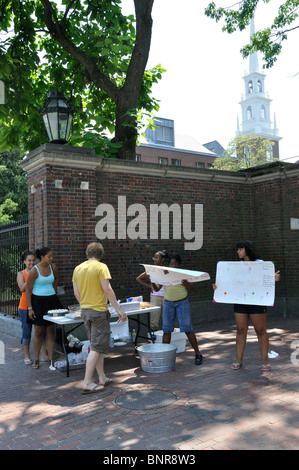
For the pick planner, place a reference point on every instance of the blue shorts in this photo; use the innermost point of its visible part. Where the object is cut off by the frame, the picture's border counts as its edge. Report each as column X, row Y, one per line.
column 179, row 308
column 26, row 328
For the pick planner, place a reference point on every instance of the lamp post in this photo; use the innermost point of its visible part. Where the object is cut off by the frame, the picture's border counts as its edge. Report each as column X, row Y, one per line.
column 58, row 117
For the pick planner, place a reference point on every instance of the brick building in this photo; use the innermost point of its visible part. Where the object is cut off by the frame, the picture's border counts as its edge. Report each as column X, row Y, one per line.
column 67, row 185
column 164, row 146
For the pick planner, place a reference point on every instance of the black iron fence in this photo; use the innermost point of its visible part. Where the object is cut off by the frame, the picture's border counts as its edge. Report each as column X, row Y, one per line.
column 13, row 242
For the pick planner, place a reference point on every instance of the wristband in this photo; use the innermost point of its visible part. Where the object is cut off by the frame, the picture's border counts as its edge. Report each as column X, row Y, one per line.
column 29, row 308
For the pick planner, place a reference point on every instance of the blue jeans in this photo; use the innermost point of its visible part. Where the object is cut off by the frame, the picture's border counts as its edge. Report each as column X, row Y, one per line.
column 179, row 308
column 26, row 328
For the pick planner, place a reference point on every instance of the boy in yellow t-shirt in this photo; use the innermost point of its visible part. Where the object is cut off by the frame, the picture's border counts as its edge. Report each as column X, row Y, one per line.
column 92, row 288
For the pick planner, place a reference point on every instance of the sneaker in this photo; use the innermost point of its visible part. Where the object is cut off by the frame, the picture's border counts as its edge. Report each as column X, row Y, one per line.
column 198, row 359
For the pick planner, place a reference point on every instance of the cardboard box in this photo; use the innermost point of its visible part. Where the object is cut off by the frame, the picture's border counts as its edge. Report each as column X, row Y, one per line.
column 177, row 338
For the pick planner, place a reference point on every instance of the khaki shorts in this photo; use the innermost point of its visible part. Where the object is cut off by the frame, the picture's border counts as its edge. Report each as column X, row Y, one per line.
column 97, row 325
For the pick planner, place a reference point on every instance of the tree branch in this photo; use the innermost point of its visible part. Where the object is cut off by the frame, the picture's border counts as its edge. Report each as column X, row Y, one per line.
column 58, row 33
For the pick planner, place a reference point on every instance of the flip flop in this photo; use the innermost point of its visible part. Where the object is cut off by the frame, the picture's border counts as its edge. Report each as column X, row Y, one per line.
column 27, row 362
column 94, row 389
column 266, row 368
column 236, row 365
column 106, row 383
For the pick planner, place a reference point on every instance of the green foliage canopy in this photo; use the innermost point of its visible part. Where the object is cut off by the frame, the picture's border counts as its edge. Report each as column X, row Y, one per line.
column 13, row 188
column 91, row 52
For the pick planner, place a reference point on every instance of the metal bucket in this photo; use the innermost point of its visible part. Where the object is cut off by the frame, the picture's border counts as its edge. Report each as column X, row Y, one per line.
column 157, row 357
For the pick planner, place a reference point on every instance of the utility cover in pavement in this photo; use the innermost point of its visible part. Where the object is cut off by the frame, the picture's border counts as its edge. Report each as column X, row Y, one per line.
column 145, row 399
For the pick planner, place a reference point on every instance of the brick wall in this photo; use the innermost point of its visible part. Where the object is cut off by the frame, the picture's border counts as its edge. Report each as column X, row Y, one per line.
column 66, row 185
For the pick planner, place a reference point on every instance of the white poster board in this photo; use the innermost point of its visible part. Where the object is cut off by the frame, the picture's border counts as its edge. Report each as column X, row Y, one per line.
column 166, row 276
column 245, row 282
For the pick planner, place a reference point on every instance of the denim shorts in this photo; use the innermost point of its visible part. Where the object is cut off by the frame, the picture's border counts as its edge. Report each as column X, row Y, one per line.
column 97, row 325
column 26, row 328
column 179, row 308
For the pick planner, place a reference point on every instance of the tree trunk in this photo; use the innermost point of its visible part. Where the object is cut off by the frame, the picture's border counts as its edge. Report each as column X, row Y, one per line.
column 127, row 102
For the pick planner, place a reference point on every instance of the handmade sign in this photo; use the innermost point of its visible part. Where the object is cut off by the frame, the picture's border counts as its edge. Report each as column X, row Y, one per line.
column 245, row 282
column 171, row 276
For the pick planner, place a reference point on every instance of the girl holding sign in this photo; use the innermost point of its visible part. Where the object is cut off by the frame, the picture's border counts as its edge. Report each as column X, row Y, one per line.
column 257, row 313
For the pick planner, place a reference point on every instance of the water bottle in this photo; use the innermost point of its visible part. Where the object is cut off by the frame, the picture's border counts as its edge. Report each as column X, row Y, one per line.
column 111, row 344
column 134, row 335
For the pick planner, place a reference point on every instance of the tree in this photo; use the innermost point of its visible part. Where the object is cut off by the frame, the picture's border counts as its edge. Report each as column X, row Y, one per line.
column 268, row 41
column 87, row 49
column 13, row 188
column 245, row 151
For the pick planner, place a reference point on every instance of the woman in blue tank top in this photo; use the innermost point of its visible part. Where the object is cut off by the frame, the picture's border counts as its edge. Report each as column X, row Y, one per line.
column 41, row 296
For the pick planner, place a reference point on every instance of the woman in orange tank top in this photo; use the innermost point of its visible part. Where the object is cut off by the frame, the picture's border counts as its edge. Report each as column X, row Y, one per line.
column 28, row 259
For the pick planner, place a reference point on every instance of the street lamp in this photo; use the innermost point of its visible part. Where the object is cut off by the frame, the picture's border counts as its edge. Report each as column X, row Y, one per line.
column 58, row 117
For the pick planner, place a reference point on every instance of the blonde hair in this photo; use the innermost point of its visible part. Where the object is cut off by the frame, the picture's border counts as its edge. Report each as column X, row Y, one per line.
column 94, row 250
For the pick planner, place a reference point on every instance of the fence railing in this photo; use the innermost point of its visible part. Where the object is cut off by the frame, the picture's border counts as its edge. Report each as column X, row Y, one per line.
column 13, row 242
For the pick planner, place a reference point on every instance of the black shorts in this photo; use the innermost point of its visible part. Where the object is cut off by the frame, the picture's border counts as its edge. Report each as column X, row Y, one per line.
column 250, row 309
column 41, row 305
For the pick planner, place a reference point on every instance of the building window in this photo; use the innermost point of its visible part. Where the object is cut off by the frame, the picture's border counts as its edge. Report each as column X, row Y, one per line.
column 263, row 112
column 163, row 161
column 200, row 165
column 259, row 86
column 249, row 113
column 176, row 162
column 250, row 87
column 164, row 134
column 137, row 158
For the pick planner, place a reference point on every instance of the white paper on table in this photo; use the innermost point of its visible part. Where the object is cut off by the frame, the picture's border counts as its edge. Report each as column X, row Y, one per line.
column 166, row 276
column 245, row 282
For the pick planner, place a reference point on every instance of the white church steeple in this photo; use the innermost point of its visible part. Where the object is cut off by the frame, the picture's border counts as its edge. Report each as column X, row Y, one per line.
column 256, row 103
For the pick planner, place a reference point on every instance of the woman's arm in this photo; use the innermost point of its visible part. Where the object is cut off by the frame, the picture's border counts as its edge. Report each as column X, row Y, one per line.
column 29, row 286
column 56, row 276
column 188, row 285
column 21, row 281
column 140, row 280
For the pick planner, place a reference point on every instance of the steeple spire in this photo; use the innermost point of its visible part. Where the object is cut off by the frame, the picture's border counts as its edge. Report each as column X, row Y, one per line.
column 256, row 103
column 253, row 59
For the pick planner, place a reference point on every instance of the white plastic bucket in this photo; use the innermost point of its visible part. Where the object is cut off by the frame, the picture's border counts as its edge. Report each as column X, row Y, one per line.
column 157, row 357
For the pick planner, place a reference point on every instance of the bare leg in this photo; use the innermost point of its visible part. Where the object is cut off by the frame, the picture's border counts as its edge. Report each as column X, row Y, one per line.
column 38, row 340
column 50, row 340
column 26, row 352
column 94, row 361
column 259, row 323
column 193, row 341
column 242, row 328
column 166, row 338
column 100, row 369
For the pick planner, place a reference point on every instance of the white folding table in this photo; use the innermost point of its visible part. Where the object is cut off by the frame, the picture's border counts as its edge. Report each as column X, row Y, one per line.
column 63, row 321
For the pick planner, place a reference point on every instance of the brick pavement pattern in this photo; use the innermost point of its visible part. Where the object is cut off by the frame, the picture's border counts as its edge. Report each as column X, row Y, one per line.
column 216, row 408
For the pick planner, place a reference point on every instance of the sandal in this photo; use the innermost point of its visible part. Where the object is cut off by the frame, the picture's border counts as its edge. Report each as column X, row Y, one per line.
column 266, row 368
column 35, row 364
column 236, row 365
column 28, row 362
column 106, row 383
column 94, row 388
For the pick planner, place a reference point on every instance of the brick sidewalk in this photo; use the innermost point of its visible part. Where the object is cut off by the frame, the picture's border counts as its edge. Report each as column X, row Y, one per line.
column 216, row 407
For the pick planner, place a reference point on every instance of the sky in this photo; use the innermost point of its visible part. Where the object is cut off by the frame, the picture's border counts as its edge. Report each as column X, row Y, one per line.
column 203, row 85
